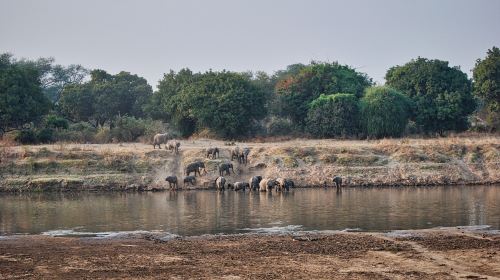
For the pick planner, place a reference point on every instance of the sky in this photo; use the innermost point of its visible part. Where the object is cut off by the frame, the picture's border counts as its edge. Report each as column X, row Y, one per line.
column 150, row 37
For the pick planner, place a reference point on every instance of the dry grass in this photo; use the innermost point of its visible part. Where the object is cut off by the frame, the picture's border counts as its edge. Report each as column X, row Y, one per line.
column 452, row 160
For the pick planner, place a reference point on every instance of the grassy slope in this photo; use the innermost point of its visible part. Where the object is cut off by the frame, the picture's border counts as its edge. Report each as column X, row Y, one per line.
column 309, row 162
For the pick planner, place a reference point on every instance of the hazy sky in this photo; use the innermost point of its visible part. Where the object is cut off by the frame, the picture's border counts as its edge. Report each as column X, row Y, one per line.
column 150, row 37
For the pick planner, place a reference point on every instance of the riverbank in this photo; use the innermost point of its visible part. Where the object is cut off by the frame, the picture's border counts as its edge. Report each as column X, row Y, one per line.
column 423, row 254
column 137, row 167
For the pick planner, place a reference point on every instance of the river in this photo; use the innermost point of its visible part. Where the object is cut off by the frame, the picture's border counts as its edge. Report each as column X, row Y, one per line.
column 189, row 213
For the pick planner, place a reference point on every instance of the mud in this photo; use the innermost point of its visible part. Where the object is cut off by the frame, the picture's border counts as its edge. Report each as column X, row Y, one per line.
column 425, row 254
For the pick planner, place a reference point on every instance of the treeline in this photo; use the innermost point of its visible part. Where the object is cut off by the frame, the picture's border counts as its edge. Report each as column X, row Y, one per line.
column 41, row 101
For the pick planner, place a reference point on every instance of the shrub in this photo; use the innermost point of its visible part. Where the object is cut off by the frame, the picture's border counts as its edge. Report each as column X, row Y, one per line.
column 45, row 135
column 53, row 121
column 127, row 129
column 27, row 136
column 334, row 115
column 279, row 127
column 81, row 132
column 385, row 112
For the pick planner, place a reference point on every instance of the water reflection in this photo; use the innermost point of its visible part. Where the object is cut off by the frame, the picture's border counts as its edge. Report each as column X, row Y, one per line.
column 207, row 212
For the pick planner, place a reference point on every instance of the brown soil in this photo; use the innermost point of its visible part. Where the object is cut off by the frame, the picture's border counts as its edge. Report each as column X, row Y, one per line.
column 427, row 254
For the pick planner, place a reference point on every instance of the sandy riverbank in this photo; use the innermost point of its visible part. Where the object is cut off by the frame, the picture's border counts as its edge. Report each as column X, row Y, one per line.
column 136, row 166
column 423, row 254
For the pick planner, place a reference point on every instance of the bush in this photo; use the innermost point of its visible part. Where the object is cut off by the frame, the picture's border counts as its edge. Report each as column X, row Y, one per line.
column 334, row 115
column 45, row 135
column 53, row 121
column 385, row 112
column 127, row 129
column 81, row 132
column 279, row 127
column 27, row 136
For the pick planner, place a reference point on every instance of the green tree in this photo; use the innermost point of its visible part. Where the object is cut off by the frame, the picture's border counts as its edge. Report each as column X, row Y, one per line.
column 55, row 77
column 297, row 89
column 21, row 97
column 105, row 96
column 226, row 103
column 334, row 115
column 486, row 74
column 170, row 104
column 385, row 112
column 441, row 94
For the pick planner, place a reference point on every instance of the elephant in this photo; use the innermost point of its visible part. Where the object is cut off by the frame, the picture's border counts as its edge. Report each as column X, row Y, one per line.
column 195, row 167
column 243, row 156
column 160, row 139
column 337, row 181
column 173, row 146
column 267, row 184
column 212, row 153
column 235, row 153
column 224, row 167
column 220, row 183
column 240, row 186
column 254, row 182
column 284, row 184
column 190, row 179
column 172, row 182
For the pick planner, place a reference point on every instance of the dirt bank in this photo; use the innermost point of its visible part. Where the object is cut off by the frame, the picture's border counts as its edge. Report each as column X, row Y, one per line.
column 136, row 166
column 426, row 254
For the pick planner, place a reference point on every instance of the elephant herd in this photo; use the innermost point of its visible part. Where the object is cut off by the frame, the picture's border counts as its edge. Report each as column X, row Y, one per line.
column 255, row 183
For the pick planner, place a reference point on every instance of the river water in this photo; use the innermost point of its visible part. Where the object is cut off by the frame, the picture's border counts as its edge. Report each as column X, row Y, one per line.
column 189, row 213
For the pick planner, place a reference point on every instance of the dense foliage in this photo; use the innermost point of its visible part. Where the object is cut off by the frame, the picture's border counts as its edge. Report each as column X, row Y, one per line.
column 334, row 115
column 21, row 97
column 46, row 102
column 441, row 94
column 486, row 75
column 104, row 97
column 307, row 83
column 385, row 112
column 225, row 103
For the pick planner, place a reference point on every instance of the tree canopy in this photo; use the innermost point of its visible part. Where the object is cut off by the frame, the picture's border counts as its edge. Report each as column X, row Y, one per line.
column 441, row 94
column 21, row 97
column 486, row 75
column 106, row 96
column 334, row 115
column 385, row 112
column 306, row 83
column 225, row 103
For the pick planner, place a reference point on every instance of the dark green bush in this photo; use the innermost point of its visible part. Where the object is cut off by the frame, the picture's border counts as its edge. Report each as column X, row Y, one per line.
column 335, row 115
column 385, row 112
column 27, row 136
column 53, row 121
column 45, row 135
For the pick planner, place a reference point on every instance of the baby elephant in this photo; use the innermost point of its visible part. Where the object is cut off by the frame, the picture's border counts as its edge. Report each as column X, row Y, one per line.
column 190, row 179
column 224, row 167
column 173, row 146
column 235, row 153
column 172, row 182
column 212, row 153
column 220, row 183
